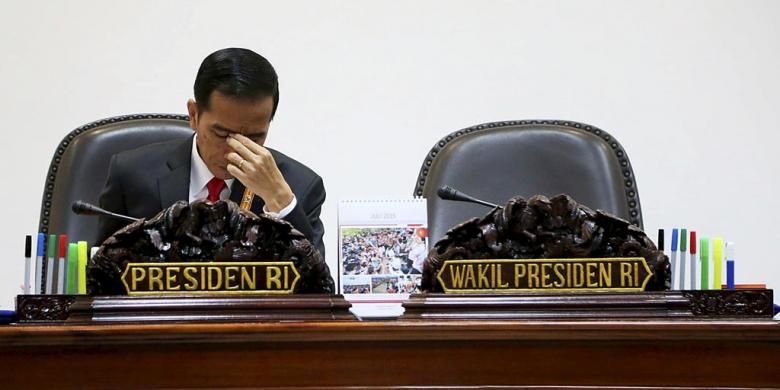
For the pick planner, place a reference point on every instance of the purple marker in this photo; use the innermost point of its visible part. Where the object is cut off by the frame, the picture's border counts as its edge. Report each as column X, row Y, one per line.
column 693, row 260
column 683, row 252
column 675, row 282
column 40, row 282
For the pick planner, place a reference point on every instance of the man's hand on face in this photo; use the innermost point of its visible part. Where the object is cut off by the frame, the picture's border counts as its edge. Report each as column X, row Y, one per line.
column 254, row 166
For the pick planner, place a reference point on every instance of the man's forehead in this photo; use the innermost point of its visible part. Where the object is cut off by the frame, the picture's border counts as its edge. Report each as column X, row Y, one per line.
column 238, row 115
column 245, row 129
column 220, row 98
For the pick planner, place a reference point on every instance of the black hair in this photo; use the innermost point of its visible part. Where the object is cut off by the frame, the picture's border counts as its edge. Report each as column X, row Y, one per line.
column 239, row 73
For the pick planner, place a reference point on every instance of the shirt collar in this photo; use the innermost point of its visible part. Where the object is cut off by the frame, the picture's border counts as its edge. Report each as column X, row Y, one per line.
column 199, row 172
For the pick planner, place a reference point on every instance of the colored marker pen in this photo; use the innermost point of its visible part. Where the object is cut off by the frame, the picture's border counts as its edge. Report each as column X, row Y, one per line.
column 730, row 249
column 73, row 266
column 675, row 284
column 683, row 254
column 51, row 255
column 693, row 260
column 7, row 316
column 704, row 261
column 40, row 283
column 661, row 240
column 717, row 262
column 82, row 253
column 63, row 265
column 27, row 263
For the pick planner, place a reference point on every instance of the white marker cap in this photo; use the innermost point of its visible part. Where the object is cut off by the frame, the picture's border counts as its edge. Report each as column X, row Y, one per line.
column 730, row 251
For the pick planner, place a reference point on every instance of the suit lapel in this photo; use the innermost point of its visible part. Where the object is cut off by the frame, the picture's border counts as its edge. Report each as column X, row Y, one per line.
column 175, row 185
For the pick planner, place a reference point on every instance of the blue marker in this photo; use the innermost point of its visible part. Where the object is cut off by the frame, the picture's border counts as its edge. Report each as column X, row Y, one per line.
column 40, row 283
column 675, row 282
column 730, row 265
column 7, row 316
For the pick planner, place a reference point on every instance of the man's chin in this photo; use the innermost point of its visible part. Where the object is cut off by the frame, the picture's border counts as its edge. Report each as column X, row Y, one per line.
column 223, row 174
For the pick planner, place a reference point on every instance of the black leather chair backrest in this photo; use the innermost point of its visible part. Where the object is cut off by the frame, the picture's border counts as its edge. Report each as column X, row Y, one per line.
column 496, row 161
column 79, row 167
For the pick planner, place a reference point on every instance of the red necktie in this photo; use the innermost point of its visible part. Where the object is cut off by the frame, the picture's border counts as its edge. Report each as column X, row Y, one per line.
column 215, row 186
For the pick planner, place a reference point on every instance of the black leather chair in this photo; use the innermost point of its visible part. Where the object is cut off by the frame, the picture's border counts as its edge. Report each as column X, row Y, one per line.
column 495, row 161
column 79, row 167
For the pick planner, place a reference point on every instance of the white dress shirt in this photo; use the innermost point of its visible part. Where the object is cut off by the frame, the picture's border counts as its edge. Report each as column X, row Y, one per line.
column 200, row 177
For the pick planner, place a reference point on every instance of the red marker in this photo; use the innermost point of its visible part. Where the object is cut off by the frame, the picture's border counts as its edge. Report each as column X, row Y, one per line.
column 62, row 264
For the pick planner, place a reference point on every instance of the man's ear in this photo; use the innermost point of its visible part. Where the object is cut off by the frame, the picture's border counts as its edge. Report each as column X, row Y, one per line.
column 192, row 110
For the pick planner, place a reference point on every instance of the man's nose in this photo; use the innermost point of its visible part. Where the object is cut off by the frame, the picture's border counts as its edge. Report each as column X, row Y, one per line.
column 226, row 149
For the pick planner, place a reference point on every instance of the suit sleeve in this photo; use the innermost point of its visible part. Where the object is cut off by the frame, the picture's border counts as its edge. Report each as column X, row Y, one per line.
column 306, row 214
column 111, row 199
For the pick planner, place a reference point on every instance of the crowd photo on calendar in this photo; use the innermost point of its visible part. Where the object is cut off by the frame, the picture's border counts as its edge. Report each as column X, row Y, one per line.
column 384, row 260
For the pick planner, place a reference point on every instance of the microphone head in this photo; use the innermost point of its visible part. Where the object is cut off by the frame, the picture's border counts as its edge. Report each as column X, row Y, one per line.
column 79, row 207
column 447, row 193
column 84, row 208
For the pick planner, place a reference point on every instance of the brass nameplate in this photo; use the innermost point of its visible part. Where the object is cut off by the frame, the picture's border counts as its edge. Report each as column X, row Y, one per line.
column 544, row 275
column 278, row 277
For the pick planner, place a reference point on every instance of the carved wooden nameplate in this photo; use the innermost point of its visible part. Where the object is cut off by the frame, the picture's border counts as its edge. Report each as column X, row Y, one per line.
column 83, row 309
column 488, row 276
column 215, row 278
column 208, row 248
column 545, row 245
column 698, row 304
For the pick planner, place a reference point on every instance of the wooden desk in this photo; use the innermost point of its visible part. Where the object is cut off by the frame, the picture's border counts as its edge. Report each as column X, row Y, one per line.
column 649, row 353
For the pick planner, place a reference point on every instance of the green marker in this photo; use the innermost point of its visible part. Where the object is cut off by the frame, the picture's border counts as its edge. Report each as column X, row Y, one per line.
column 73, row 262
column 717, row 261
column 704, row 259
column 683, row 254
column 51, row 254
column 82, row 252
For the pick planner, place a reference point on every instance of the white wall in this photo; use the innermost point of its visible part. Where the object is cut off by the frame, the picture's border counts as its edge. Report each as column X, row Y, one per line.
column 690, row 88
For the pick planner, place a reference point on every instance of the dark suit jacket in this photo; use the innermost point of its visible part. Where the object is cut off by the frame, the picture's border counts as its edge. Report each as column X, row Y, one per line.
column 144, row 181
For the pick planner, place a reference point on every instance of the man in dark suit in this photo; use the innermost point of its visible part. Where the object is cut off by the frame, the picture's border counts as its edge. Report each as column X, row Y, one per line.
column 236, row 96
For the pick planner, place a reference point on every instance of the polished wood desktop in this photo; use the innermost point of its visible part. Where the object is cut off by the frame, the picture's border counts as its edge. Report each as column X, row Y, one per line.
column 388, row 354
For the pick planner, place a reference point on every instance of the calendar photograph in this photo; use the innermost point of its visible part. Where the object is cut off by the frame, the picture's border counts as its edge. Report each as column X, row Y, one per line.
column 382, row 248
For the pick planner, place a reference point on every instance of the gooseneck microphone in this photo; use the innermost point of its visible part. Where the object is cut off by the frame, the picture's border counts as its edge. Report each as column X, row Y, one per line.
column 84, row 208
column 449, row 193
